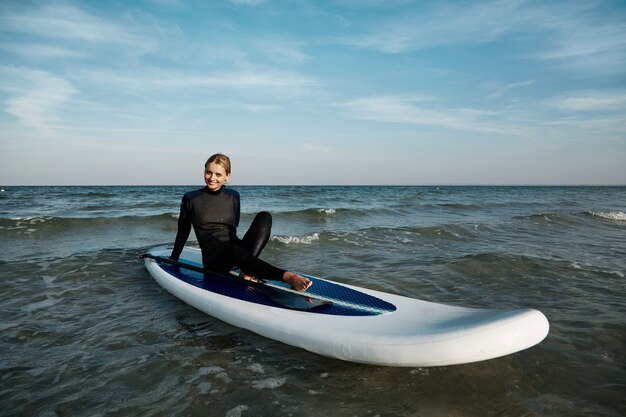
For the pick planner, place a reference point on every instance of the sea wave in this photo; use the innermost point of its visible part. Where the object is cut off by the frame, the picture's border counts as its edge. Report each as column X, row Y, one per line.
column 460, row 206
column 97, row 194
column 374, row 235
column 572, row 219
column 412, row 234
column 26, row 225
column 441, row 231
column 609, row 215
column 297, row 240
column 326, row 211
column 557, row 218
column 316, row 212
column 542, row 217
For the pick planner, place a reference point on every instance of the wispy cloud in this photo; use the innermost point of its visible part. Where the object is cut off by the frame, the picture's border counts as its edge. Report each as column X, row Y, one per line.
column 38, row 99
column 574, row 35
column 40, row 51
column 592, row 101
column 282, row 51
column 499, row 91
column 590, row 112
column 277, row 81
column 66, row 22
column 444, row 24
column 421, row 111
column 582, row 38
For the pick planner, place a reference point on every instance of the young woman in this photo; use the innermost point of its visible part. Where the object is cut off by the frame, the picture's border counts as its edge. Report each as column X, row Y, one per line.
column 214, row 213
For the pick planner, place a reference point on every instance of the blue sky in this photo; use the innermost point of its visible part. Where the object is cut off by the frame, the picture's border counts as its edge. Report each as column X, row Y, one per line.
column 313, row 92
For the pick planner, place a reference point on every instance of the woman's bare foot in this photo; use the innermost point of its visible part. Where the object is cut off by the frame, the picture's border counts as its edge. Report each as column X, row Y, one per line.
column 249, row 277
column 297, row 282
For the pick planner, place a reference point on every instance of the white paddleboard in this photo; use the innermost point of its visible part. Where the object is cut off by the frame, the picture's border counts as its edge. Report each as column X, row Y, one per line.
column 360, row 325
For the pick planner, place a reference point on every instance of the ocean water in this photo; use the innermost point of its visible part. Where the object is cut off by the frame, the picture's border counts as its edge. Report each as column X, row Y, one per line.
column 85, row 331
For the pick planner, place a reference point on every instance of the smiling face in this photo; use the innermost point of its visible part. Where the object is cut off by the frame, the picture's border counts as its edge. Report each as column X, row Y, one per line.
column 215, row 176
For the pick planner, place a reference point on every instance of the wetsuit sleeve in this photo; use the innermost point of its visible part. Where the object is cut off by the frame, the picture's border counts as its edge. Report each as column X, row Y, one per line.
column 184, row 228
column 237, row 209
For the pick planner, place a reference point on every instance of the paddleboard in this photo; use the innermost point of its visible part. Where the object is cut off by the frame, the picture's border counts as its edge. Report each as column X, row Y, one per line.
column 355, row 324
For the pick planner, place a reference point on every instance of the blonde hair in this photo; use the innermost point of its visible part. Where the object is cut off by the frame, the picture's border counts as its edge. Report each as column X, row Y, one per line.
column 220, row 159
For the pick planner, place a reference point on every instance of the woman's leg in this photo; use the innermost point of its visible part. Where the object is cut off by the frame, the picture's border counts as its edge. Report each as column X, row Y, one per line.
column 258, row 234
column 244, row 254
column 224, row 259
column 236, row 254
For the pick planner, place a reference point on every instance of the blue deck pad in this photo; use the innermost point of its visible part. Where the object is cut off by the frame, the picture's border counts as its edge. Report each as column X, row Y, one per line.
column 255, row 295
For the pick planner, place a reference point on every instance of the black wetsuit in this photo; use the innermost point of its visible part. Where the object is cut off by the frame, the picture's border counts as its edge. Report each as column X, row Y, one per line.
column 215, row 217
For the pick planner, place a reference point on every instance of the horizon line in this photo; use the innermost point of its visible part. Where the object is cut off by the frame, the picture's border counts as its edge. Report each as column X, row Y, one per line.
column 330, row 185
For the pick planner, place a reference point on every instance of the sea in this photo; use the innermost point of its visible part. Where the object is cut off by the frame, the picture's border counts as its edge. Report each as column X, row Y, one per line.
column 86, row 331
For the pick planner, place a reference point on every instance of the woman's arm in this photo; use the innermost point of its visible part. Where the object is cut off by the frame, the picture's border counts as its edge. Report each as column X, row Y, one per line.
column 184, row 228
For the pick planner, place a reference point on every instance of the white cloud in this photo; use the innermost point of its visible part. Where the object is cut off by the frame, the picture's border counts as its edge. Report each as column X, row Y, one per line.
column 574, row 35
column 579, row 41
column 502, row 90
column 65, row 22
column 442, row 25
column 605, row 116
column 592, row 101
column 155, row 78
column 37, row 97
column 602, row 128
column 39, row 51
column 418, row 111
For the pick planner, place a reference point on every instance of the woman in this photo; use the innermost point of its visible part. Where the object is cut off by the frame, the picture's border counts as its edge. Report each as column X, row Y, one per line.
column 214, row 213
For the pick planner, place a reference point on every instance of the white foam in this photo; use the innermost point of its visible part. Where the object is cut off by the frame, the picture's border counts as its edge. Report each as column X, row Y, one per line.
column 611, row 215
column 236, row 412
column 210, row 370
column 204, row 387
column 256, row 368
column 327, row 211
column 303, row 240
column 223, row 376
column 269, row 383
column 36, row 220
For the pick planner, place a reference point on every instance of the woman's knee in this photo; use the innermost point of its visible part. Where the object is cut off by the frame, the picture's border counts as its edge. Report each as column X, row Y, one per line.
column 263, row 219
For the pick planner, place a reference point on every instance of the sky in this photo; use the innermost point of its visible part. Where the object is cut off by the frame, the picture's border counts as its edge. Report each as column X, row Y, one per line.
column 313, row 92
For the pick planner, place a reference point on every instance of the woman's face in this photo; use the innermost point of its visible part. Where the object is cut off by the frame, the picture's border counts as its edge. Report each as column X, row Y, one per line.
column 215, row 176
